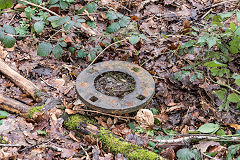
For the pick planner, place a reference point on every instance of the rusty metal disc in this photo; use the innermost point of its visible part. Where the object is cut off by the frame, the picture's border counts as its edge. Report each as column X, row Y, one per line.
column 139, row 98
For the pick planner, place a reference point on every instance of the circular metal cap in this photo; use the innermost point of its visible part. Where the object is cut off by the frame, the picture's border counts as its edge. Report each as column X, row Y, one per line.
column 139, row 98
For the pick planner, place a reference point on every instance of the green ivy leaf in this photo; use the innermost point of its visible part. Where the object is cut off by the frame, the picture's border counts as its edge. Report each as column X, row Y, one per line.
column 124, row 21
column 221, row 94
column 113, row 27
column 44, row 49
column 232, row 150
column 134, row 39
column 120, row 15
column 1, row 122
column 92, row 56
column 3, row 114
column 71, row 49
column 233, row 97
column 63, row 44
column 226, row 15
column 233, row 49
column 81, row 53
column 53, row 18
column 69, row 26
column 29, row 11
column 232, row 26
column 209, row 128
column 221, row 132
column 211, row 41
column 152, row 144
column 193, row 77
column 187, row 154
column 63, row 20
column 9, row 29
column 237, row 82
column 57, row 51
column 154, row 111
column 214, row 64
column 199, row 75
column 195, row 29
column 111, row 15
column 238, row 105
column 4, row 4
column 142, row 36
column 39, row 26
column 42, row 133
column 9, row 41
column 236, row 76
column 92, row 7
column 180, row 75
column 188, row 44
column 63, row 4
column 1, row 35
column 91, row 24
column 238, row 16
column 53, row 1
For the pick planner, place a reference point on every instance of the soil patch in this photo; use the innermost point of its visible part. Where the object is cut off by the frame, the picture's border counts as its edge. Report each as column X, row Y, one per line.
column 114, row 83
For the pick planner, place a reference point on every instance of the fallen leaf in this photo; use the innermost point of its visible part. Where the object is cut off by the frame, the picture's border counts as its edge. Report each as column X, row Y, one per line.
column 203, row 145
column 145, row 118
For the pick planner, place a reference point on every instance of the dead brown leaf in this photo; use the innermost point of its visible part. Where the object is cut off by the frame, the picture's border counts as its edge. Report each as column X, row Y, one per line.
column 145, row 118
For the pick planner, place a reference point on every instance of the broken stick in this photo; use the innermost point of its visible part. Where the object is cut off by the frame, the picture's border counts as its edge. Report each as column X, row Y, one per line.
column 20, row 81
column 14, row 106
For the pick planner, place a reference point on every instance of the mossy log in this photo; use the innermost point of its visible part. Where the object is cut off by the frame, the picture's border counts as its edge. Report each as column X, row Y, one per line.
column 35, row 113
column 115, row 144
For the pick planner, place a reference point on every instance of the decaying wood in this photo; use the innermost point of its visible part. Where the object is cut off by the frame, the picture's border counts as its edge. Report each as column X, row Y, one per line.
column 81, row 124
column 13, row 106
column 26, row 85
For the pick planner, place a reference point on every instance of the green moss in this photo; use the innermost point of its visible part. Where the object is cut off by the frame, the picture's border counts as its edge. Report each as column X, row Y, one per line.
column 3, row 141
column 75, row 121
column 33, row 110
column 129, row 150
column 135, row 69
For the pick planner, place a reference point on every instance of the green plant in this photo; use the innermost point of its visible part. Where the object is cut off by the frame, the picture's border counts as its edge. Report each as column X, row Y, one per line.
column 38, row 19
column 232, row 150
column 220, row 44
column 3, row 114
column 188, row 154
column 63, row 4
column 119, row 20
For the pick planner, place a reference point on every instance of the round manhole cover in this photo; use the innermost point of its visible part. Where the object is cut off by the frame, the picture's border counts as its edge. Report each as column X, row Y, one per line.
column 115, row 87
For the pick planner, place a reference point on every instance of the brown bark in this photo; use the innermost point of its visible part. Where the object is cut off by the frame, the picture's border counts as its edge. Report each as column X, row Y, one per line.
column 13, row 106
column 26, row 85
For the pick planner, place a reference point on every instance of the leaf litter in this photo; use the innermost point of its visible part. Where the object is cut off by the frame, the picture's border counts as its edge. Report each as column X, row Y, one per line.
column 183, row 106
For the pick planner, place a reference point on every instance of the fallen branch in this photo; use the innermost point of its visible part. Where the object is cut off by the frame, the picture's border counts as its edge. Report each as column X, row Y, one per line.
column 110, row 142
column 14, row 106
column 20, row 81
column 198, row 137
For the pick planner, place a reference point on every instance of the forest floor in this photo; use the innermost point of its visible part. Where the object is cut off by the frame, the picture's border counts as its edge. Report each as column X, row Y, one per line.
column 180, row 107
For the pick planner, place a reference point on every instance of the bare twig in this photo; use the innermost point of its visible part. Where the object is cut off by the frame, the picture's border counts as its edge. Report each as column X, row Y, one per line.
column 222, row 84
column 106, row 49
column 87, row 156
column 206, row 13
column 93, row 111
column 12, row 145
column 33, row 4
column 199, row 137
